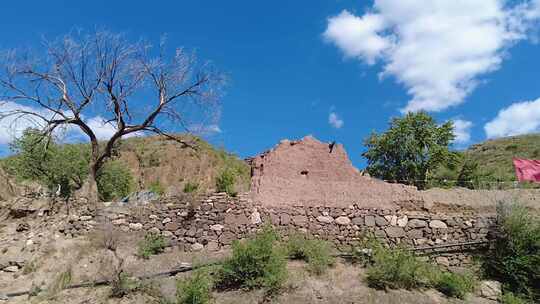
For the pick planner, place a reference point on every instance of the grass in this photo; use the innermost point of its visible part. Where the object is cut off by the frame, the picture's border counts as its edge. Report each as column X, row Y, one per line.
column 255, row 263
column 195, row 289
column 316, row 253
column 515, row 259
column 29, row 267
column 191, row 187
column 156, row 188
column 60, row 282
column 400, row 269
column 511, row 298
column 151, row 244
column 225, row 182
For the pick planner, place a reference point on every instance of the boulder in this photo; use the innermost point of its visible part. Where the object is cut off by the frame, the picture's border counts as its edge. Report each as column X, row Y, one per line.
column 490, row 290
column 437, row 224
column 395, row 232
column 343, row 220
column 381, row 221
column 325, row 219
column 369, row 220
column 255, row 218
column 416, row 223
column 197, row 247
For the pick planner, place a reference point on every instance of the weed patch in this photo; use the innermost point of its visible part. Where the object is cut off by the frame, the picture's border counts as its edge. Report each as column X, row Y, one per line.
column 151, row 244
column 255, row 263
column 316, row 253
column 195, row 289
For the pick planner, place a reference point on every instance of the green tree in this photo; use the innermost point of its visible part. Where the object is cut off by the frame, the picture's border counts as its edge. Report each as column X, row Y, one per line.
column 114, row 181
column 413, row 146
column 38, row 158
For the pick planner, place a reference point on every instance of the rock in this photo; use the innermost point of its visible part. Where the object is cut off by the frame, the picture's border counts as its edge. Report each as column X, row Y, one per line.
column 358, row 221
column 416, row 223
column 29, row 242
column 21, row 227
column 212, row 246
column 119, row 222
column 13, row 268
column 300, row 220
column 325, row 219
column 227, row 237
column 442, row 261
column 490, row 290
column 197, row 247
column 395, row 232
column 380, row 233
column 437, row 224
column 343, row 220
column 167, row 233
column 135, row 226
column 392, row 219
column 85, row 218
column 153, row 217
column 369, row 220
column 3, row 297
column 141, row 197
column 255, row 218
column 415, row 234
column 217, row 227
column 154, row 230
column 166, row 220
column 381, row 221
column 24, row 206
column 402, row 221
column 285, row 219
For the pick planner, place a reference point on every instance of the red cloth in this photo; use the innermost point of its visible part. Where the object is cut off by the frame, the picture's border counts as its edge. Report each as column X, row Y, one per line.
column 527, row 169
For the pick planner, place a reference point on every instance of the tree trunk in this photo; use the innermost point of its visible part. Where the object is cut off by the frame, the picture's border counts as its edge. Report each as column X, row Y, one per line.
column 89, row 190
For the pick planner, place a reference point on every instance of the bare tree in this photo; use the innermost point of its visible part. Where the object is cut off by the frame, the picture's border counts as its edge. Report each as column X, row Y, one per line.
column 135, row 87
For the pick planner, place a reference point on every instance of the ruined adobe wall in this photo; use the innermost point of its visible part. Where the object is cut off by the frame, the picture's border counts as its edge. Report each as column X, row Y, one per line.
column 220, row 219
column 312, row 173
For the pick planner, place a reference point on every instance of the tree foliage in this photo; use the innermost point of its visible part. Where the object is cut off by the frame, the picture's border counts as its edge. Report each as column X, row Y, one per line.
column 40, row 159
column 412, row 147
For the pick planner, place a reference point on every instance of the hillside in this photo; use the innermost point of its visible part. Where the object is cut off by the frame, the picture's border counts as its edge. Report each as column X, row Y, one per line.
column 494, row 157
column 156, row 160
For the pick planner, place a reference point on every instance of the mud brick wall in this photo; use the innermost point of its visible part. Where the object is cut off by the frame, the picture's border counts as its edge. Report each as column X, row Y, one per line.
column 217, row 220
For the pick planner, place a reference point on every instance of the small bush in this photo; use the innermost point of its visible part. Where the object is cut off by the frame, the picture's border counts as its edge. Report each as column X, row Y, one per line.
column 225, row 182
column 156, row 188
column 29, row 267
column 316, row 253
column 194, row 290
column 510, row 298
column 516, row 256
column 255, row 263
column 455, row 285
column 398, row 268
column 152, row 244
column 190, row 187
column 114, row 181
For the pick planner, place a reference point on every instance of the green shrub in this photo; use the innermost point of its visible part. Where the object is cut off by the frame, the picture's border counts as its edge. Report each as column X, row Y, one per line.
column 455, row 285
column 316, row 253
column 151, row 244
column 399, row 268
column 515, row 259
column 194, row 290
column 396, row 268
column 225, row 182
column 114, row 181
column 190, row 187
column 510, row 298
column 255, row 263
column 157, row 188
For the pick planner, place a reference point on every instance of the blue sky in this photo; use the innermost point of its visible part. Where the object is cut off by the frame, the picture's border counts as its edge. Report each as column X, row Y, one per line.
column 334, row 69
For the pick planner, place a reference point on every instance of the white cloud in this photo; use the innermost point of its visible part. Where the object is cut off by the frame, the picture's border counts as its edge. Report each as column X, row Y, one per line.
column 204, row 130
column 335, row 121
column 518, row 118
column 462, row 131
column 13, row 126
column 436, row 49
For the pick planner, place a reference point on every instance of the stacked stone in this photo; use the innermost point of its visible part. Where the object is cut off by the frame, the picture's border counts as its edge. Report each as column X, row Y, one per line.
column 219, row 219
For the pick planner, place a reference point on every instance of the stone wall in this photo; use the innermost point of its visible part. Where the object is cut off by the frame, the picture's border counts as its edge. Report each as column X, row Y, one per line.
column 217, row 220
